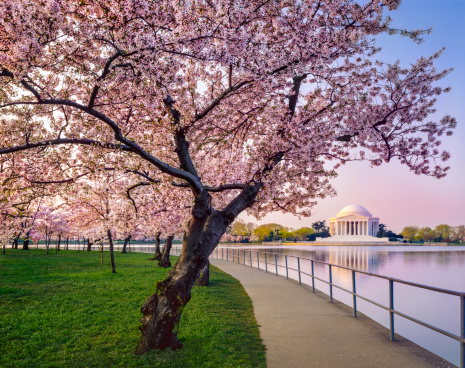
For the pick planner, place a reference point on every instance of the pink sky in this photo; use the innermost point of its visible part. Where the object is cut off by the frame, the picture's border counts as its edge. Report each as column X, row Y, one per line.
column 390, row 192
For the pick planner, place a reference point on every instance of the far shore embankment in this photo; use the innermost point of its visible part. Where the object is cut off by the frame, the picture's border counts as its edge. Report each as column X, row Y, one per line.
column 345, row 244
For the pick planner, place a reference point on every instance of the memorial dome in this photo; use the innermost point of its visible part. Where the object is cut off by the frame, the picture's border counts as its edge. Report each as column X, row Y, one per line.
column 354, row 209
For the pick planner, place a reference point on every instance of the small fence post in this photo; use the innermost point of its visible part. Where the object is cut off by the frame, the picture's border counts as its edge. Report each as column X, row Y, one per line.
column 354, row 291
column 258, row 261
column 313, row 277
column 276, row 262
column 298, row 268
column 462, row 331
column 330, row 283
column 287, row 270
column 266, row 264
column 391, row 309
column 243, row 253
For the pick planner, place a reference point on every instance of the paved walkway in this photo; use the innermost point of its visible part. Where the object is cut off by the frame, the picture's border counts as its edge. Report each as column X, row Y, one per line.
column 303, row 329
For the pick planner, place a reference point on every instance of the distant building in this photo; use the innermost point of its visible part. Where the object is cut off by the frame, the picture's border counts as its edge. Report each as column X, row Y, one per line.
column 353, row 224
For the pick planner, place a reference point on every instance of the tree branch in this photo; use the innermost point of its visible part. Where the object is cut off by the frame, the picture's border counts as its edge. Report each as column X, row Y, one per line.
column 60, row 141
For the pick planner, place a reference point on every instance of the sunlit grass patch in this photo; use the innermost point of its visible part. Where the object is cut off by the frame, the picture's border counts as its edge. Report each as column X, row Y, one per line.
column 67, row 310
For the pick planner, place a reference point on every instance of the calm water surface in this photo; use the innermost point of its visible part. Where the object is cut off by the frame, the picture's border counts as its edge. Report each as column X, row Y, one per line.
column 442, row 267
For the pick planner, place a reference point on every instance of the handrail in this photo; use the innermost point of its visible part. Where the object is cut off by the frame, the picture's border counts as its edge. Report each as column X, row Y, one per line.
column 392, row 311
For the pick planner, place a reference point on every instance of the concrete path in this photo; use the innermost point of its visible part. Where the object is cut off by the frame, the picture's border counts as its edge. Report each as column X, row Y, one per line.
column 303, row 329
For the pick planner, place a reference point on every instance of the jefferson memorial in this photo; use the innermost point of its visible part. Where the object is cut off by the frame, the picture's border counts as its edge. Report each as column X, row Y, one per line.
column 354, row 224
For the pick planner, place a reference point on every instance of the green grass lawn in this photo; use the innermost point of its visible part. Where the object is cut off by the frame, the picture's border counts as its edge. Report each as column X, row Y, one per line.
column 67, row 310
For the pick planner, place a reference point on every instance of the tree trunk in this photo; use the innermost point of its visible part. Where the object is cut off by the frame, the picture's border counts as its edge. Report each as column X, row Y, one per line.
column 157, row 256
column 126, row 241
column 162, row 311
column 26, row 244
column 204, row 278
column 15, row 243
column 112, row 254
column 59, row 242
column 67, row 243
column 165, row 260
column 47, row 244
column 89, row 245
column 4, row 248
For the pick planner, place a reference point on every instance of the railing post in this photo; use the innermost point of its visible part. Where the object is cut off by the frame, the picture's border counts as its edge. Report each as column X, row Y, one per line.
column 266, row 264
column 330, row 283
column 391, row 309
column 354, row 291
column 258, row 261
column 287, row 270
column 298, row 268
column 313, row 277
column 462, row 331
column 276, row 262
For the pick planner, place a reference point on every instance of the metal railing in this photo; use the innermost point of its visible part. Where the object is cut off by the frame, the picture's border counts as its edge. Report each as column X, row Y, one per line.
column 225, row 252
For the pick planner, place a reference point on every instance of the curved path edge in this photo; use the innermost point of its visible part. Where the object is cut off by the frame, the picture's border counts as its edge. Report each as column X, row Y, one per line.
column 303, row 329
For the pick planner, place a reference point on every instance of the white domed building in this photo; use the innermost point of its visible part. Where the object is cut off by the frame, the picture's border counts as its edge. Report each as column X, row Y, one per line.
column 354, row 224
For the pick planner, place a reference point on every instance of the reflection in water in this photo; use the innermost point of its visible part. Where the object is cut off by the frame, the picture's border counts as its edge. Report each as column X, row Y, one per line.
column 435, row 266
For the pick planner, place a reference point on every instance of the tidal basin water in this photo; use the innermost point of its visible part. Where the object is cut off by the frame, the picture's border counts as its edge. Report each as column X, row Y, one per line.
column 442, row 267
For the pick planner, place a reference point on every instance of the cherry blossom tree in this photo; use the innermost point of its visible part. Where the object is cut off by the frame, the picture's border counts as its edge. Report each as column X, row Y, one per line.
column 246, row 105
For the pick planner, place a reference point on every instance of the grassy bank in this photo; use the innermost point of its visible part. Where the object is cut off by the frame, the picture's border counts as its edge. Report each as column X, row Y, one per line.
column 67, row 310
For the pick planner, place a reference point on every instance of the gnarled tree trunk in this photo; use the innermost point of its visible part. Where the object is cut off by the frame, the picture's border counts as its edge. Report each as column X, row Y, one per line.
column 162, row 311
column 204, row 277
column 89, row 245
column 126, row 241
column 165, row 260
column 157, row 256
column 26, row 244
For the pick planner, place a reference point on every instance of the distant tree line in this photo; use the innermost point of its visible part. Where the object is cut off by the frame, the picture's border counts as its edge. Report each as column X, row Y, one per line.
column 383, row 232
column 240, row 231
column 441, row 233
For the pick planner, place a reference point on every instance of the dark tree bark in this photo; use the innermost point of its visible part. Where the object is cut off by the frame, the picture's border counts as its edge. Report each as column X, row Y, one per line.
column 67, row 243
column 165, row 259
column 26, row 244
column 89, row 245
column 162, row 311
column 126, row 241
column 59, row 242
column 157, row 256
column 204, row 277
column 4, row 248
column 112, row 254
column 101, row 254
column 15, row 243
